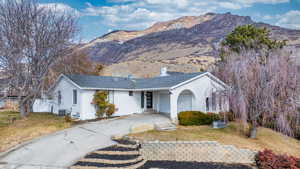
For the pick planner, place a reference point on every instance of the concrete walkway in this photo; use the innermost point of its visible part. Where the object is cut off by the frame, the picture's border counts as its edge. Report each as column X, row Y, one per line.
column 62, row 149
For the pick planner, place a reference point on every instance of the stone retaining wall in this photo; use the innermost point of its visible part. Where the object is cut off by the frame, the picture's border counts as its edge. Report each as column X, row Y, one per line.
column 200, row 151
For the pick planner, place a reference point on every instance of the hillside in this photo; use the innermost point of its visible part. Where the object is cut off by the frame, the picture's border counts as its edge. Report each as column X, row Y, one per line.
column 185, row 44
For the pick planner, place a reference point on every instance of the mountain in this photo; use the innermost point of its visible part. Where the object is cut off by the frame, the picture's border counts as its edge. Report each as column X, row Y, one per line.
column 185, row 44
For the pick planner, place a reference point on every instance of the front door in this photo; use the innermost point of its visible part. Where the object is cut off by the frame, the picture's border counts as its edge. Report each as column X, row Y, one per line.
column 149, row 100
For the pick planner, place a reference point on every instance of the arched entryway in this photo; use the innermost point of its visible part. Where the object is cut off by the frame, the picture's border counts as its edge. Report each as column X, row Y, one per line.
column 185, row 101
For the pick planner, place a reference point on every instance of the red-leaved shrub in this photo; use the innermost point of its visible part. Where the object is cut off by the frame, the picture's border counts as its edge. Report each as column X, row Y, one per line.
column 268, row 160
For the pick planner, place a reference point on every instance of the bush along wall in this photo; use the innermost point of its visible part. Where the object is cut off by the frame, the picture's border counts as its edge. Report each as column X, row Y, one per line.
column 188, row 118
column 103, row 107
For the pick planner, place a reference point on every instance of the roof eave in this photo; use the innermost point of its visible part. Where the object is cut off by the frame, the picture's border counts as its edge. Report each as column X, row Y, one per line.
column 199, row 76
column 120, row 89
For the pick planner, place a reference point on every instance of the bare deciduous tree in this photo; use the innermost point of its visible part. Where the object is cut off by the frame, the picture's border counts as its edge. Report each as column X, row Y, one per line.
column 32, row 39
column 264, row 88
column 77, row 62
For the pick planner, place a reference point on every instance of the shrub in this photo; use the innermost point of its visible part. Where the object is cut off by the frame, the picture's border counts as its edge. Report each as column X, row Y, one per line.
column 111, row 109
column 68, row 118
column 188, row 118
column 268, row 160
column 212, row 117
column 103, row 107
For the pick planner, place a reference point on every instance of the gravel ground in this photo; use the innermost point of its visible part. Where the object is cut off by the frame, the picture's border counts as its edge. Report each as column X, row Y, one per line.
column 190, row 165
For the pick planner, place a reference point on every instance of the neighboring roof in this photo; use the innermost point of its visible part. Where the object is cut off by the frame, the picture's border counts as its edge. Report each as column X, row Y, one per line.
column 109, row 82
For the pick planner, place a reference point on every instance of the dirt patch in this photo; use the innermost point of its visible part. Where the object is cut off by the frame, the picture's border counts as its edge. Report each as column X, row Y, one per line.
column 21, row 130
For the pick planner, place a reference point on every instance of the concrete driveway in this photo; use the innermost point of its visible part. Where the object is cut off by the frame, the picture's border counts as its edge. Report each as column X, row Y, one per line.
column 61, row 149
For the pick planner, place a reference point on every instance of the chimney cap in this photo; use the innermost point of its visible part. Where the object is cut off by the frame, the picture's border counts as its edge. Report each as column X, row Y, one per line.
column 164, row 71
column 130, row 76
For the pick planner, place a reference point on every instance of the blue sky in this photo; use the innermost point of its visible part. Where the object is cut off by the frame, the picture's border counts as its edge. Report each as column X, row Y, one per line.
column 98, row 17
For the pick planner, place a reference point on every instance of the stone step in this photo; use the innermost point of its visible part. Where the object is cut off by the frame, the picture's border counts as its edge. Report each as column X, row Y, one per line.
column 133, row 166
column 165, row 127
column 106, row 161
column 117, row 152
column 112, row 156
column 128, row 146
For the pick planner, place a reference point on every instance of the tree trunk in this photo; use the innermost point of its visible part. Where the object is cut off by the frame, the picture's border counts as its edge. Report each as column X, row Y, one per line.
column 253, row 130
column 22, row 109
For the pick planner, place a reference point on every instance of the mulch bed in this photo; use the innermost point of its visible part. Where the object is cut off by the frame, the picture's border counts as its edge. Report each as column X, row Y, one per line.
column 125, row 142
column 191, row 165
column 112, row 157
column 116, row 148
column 104, row 165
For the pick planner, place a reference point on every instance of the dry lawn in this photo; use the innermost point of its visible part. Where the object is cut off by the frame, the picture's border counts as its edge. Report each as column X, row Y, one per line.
column 231, row 135
column 22, row 130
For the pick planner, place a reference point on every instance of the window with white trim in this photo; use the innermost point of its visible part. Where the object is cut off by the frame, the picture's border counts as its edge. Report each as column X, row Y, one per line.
column 74, row 96
column 213, row 101
column 207, row 103
column 130, row 93
column 59, row 97
column 220, row 103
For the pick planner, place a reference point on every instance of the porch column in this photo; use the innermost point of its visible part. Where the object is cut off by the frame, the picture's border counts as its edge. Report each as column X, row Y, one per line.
column 173, row 107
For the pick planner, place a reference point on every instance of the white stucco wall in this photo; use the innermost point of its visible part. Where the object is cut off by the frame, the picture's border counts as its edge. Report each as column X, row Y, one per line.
column 42, row 105
column 164, row 102
column 66, row 88
column 2, row 103
column 127, row 104
column 124, row 103
column 88, row 110
column 201, row 88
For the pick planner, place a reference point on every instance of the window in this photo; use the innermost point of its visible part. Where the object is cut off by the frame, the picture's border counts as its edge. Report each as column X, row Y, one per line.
column 59, row 97
column 130, row 93
column 142, row 99
column 207, row 104
column 213, row 102
column 74, row 96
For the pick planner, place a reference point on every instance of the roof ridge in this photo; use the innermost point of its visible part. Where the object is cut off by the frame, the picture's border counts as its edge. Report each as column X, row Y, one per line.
column 183, row 74
column 114, row 82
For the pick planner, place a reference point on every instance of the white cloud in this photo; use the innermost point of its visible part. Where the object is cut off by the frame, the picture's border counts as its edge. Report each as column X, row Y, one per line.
column 289, row 19
column 230, row 5
column 248, row 3
column 139, row 14
column 60, row 7
column 121, row 1
column 268, row 17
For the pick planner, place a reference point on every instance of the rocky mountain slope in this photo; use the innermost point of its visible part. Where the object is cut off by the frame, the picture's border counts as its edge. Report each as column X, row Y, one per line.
column 186, row 44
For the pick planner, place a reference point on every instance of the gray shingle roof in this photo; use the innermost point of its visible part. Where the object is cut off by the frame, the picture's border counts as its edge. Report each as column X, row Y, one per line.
column 104, row 82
